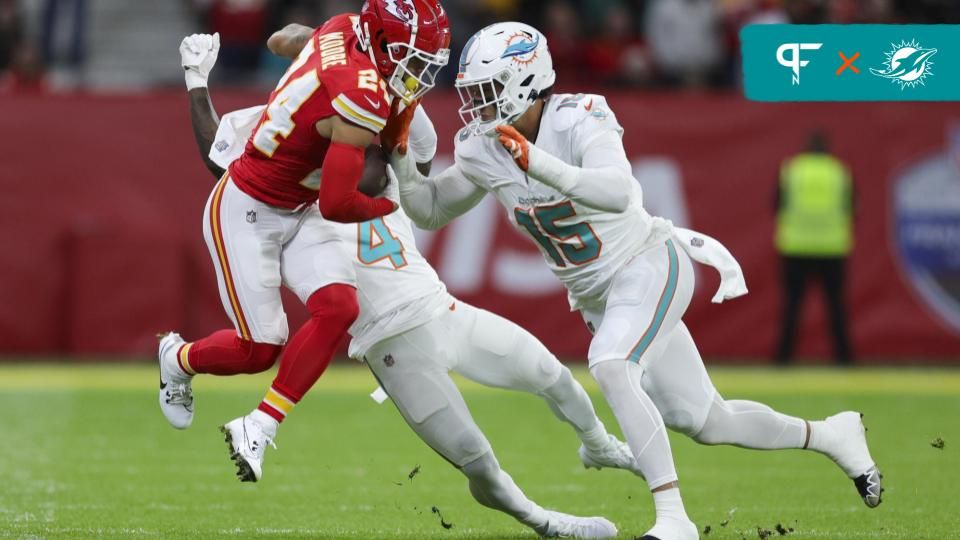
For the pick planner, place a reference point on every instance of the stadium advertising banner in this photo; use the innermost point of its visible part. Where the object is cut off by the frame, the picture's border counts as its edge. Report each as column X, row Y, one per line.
column 103, row 250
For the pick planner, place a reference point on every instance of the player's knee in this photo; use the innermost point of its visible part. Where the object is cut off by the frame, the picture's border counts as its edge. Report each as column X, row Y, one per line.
column 563, row 384
column 538, row 370
column 712, row 427
column 484, row 469
column 335, row 305
column 261, row 356
column 610, row 375
column 684, row 422
column 469, row 444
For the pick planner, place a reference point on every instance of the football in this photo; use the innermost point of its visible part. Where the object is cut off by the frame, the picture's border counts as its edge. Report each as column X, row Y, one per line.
column 374, row 178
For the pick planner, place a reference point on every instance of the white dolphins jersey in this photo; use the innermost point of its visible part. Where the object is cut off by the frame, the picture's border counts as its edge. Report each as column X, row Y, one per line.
column 397, row 289
column 584, row 247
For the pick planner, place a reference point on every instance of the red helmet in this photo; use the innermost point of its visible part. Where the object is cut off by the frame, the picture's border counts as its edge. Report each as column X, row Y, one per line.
column 408, row 41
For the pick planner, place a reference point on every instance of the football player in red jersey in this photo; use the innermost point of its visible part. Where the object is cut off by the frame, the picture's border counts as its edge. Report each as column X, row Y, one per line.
column 269, row 221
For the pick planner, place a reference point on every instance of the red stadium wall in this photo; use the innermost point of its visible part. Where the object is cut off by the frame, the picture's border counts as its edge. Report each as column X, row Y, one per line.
column 103, row 197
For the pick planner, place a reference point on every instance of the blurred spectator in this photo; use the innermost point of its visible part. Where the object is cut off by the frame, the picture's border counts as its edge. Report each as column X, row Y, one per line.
column 26, row 73
column 11, row 30
column 814, row 237
column 740, row 13
column 617, row 56
column 929, row 11
column 563, row 37
column 63, row 36
column 805, row 11
column 684, row 39
column 594, row 42
column 242, row 25
column 844, row 12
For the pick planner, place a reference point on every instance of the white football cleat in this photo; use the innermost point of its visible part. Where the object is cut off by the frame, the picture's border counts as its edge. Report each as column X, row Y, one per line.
column 616, row 454
column 561, row 525
column 247, row 440
column 849, row 450
column 176, row 394
column 672, row 529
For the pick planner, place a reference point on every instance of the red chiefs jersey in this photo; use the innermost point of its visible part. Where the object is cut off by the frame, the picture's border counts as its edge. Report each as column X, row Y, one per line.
column 281, row 162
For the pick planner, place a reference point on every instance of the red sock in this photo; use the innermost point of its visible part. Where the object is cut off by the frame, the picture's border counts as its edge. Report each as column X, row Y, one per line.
column 332, row 310
column 225, row 353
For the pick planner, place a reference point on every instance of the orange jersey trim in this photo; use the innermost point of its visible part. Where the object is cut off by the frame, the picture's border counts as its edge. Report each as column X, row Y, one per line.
column 215, row 229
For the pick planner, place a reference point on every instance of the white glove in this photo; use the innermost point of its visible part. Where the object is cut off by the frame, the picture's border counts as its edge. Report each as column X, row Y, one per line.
column 403, row 168
column 392, row 190
column 198, row 54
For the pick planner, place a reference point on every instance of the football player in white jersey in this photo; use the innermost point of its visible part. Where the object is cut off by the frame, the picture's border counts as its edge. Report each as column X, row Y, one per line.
column 557, row 165
column 411, row 332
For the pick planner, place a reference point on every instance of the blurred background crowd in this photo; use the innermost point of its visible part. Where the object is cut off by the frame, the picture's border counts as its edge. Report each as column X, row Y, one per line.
column 118, row 44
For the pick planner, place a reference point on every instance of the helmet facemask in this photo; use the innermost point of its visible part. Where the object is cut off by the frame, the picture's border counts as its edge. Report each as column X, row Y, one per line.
column 490, row 102
column 416, row 70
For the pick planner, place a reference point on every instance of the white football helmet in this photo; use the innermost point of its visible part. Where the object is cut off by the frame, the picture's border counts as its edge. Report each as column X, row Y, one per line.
column 503, row 69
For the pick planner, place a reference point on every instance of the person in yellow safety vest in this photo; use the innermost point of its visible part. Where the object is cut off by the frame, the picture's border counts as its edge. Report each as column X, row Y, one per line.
column 814, row 236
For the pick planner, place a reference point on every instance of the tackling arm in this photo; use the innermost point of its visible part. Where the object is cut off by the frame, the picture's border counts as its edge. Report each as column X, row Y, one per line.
column 601, row 183
column 290, row 40
column 433, row 202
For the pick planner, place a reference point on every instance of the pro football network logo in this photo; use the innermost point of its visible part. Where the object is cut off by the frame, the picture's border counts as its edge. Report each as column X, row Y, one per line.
column 907, row 64
column 794, row 62
column 402, row 9
column 521, row 48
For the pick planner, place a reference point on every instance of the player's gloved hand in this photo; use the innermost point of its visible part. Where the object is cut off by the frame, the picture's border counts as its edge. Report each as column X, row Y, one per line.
column 516, row 144
column 198, row 54
column 396, row 134
column 403, row 168
column 392, row 189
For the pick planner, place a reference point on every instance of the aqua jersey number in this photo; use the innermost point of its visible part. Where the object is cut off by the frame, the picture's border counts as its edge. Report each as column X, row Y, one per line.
column 577, row 241
column 377, row 243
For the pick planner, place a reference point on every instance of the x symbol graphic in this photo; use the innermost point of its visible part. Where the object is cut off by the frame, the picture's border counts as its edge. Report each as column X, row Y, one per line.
column 848, row 63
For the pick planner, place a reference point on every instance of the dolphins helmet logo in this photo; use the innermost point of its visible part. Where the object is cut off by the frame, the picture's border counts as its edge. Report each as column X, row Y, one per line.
column 907, row 64
column 521, row 48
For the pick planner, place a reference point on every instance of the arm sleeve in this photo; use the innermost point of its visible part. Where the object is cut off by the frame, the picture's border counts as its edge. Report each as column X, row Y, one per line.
column 423, row 137
column 339, row 198
column 433, row 202
column 604, row 180
column 356, row 99
column 359, row 108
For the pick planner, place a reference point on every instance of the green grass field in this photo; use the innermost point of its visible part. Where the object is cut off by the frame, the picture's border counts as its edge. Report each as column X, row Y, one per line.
column 86, row 453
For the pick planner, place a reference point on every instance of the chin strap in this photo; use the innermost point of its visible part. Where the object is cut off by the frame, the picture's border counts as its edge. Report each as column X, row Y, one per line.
column 363, row 35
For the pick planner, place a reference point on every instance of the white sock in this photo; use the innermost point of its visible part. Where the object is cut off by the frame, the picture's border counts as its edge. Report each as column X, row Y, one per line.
column 639, row 419
column 494, row 488
column 749, row 424
column 669, row 505
column 175, row 370
column 570, row 403
column 596, row 438
column 267, row 422
column 822, row 438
